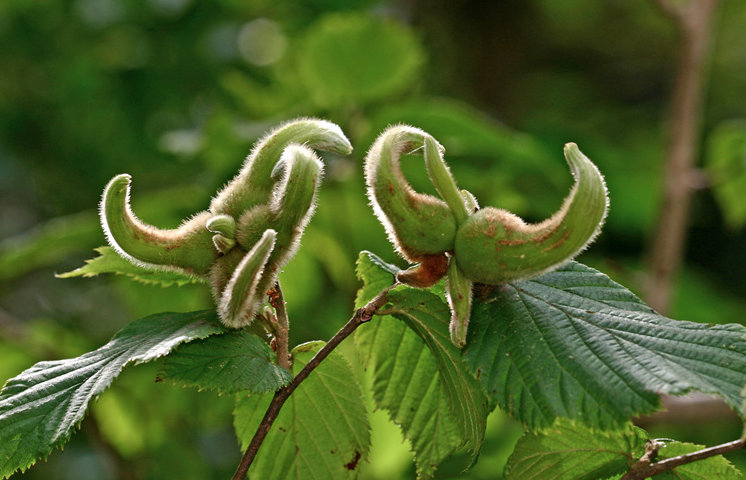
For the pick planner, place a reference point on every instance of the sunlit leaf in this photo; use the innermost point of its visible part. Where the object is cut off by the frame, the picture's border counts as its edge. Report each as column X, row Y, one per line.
column 229, row 363
column 427, row 314
column 322, row 431
column 40, row 408
column 406, row 380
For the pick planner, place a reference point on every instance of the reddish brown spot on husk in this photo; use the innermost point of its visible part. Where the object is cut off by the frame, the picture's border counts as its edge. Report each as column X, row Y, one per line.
column 544, row 236
column 491, row 230
column 511, row 243
column 560, row 242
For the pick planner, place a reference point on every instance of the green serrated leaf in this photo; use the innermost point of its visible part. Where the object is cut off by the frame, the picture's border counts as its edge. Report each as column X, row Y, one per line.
column 575, row 344
column 418, row 373
column 322, row 431
column 233, row 362
column 571, row 451
column 406, row 380
column 109, row 261
column 40, row 408
column 407, row 384
column 376, row 275
column 427, row 314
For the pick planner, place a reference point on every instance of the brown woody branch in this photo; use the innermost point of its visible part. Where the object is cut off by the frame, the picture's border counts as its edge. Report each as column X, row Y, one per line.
column 645, row 468
column 283, row 327
column 694, row 21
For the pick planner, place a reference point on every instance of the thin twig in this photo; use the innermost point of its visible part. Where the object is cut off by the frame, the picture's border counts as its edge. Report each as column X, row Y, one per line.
column 694, row 22
column 283, row 330
column 362, row 315
column 644, row 469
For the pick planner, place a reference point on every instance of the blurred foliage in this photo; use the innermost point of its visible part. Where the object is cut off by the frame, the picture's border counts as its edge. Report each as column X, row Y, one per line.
column 175, row 92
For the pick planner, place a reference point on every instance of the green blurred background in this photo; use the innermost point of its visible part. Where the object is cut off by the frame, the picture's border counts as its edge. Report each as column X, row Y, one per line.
column 175, row 93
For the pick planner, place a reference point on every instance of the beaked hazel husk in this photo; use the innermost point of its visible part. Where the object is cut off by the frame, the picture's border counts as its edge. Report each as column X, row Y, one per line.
column 275, row 191
column 420, row 226
column 292, row 205
column 453, row 237
column 254, row 183
column 188, row 248
column 494, row 246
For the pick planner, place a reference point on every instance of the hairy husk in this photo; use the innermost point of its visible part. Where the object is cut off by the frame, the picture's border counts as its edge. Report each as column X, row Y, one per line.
column 254, row 183
column 291, row 206
column 418, row 225
column 495, row 246
column 188, row 248
column 230, row 244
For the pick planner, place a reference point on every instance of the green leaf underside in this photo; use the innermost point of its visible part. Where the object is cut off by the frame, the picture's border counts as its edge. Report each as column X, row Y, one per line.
column 322, row 431
column 428, row 316
column 40, row 408
column 408, row 386
column 407, row 381
column 571, row 451
column 109, row 261
column 572, row 343
column 229, row 363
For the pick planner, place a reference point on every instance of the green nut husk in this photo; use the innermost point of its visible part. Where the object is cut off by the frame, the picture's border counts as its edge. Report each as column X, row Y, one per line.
column 254, row 183
column 242, row 297
column 494, row 246
column 253, row 226
column 291, row 205
column 418, row 225
column 472, row 206
column 223, row 244
column 188, row 248
column 222, row 224
column 444, row 182
column 459, row 296
column 289, row 210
